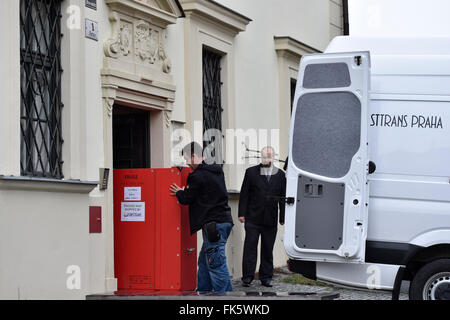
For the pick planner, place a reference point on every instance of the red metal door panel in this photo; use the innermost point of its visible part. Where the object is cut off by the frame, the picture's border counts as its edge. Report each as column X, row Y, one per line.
column 169, row 231
column 156, row 252
column 188, row 244
column 134, row 241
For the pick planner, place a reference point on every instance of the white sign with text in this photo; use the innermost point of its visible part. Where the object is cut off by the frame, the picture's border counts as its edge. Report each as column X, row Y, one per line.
column 132, row 194
column 133, row 211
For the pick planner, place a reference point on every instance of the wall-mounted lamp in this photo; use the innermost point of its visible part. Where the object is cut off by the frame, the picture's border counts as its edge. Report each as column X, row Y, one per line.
column 104, row 176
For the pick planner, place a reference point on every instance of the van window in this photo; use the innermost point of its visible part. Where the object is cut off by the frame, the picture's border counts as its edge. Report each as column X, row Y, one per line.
column 327, row 133
column 326, row 75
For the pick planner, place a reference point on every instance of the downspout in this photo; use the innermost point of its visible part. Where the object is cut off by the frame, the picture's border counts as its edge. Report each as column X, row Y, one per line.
column 345, row 14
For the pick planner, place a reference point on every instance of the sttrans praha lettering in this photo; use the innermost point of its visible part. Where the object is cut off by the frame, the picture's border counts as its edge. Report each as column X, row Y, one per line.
column 405, row 121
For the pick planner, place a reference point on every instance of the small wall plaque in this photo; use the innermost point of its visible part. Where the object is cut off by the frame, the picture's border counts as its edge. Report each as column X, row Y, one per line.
column 92, row 4
column 91, row 30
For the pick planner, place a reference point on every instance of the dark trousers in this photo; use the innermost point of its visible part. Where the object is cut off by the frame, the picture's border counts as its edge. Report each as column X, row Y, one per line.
column 268, row 235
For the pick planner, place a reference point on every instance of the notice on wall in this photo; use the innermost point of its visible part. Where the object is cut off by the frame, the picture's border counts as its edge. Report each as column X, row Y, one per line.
column 132, row 194
column 133, row 211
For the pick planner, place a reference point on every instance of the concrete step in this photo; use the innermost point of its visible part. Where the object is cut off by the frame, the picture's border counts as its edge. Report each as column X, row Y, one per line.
column 239, row 295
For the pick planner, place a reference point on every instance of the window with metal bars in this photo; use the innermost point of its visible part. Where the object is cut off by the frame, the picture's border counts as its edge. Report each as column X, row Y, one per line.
column 212, row 106
column 40, row 63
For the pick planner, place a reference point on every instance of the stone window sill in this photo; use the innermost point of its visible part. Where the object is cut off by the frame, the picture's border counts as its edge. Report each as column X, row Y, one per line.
column 24, row 183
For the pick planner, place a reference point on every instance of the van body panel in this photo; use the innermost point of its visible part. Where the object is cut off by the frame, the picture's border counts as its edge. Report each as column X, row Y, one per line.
column 398, row 46
column 410, row 137
column 364, row 275
column 405, row 220
column 432, row 238
column 394, row 253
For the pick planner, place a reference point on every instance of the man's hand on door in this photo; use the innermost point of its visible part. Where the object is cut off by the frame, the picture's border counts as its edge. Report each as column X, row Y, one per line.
column 174, row 189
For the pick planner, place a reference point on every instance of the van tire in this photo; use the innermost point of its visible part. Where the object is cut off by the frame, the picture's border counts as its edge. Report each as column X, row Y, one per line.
column 434, row 278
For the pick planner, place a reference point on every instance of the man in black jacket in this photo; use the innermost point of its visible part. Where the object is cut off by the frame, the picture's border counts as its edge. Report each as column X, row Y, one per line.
column 262, row 192
column 207, row 197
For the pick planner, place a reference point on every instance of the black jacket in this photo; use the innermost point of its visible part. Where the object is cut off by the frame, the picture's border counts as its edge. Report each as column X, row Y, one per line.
column 255, row 203
column 206, row 195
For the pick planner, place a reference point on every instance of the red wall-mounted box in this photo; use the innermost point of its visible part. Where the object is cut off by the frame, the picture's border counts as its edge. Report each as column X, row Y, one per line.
column 153, row 248
column 95, row 219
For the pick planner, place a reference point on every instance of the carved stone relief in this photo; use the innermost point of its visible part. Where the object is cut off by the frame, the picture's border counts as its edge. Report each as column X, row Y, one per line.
column 140, row 38
column 111, row 46
column 167, row 118
column 146, row 42
column 136, row 64
column 125, row 37
column 108, row 103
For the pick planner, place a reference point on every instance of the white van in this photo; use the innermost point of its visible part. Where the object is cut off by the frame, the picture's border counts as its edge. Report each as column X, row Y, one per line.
column 368, row 177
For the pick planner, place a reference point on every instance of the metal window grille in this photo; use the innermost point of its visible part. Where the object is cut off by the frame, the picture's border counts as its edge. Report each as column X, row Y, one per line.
column 212, row 105
column 40, row 62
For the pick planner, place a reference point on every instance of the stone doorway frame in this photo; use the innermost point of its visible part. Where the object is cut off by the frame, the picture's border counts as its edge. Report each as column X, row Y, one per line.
column 136, row 73
column 160, row 109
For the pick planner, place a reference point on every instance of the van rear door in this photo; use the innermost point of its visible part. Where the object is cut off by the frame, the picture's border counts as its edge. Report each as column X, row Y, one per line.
column 326, row 219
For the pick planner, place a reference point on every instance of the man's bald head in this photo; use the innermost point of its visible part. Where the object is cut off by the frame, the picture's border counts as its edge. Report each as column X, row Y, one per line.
column 267, row 156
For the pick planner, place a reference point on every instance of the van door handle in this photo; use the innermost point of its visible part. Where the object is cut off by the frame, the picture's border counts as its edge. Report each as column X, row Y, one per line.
column 372, row 167
column 313, row 190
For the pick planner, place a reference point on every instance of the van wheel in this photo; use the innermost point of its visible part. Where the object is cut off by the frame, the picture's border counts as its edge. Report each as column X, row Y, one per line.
column 431, row 282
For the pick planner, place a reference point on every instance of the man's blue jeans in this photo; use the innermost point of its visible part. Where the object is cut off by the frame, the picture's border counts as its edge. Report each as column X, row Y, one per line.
column 213, row 275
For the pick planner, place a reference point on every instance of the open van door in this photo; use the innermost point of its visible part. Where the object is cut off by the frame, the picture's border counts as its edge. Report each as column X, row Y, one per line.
column 327, row 189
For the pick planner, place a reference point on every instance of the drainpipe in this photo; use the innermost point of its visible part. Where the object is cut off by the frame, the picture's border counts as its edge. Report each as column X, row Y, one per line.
column 345, row 13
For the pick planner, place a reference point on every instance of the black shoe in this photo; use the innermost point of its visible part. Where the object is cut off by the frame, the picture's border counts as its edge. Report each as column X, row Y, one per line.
column 267, row 283
column 246, row 283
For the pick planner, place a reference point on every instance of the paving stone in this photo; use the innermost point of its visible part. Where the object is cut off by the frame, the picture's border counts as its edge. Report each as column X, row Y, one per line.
column 344, row 293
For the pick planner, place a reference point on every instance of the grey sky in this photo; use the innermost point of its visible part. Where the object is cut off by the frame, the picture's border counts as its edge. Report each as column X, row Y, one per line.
column 399, row 18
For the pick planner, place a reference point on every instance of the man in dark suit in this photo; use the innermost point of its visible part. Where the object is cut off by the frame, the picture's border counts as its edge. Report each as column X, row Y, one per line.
column 262, row 192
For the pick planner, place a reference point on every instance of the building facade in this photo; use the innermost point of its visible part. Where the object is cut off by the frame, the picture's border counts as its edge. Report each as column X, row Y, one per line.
column 80, row 78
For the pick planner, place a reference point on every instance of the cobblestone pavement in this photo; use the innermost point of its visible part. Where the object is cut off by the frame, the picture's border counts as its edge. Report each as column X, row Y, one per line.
column 344, row 293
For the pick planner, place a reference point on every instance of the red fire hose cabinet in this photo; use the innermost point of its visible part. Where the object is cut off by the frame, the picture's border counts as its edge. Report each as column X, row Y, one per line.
column 153, row 248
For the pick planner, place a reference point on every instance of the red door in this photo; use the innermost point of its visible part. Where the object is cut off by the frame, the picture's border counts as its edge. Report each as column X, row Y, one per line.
column 153, row 248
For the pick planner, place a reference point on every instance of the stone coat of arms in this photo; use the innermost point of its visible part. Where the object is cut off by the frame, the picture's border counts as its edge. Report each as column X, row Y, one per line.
column 146, row 42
